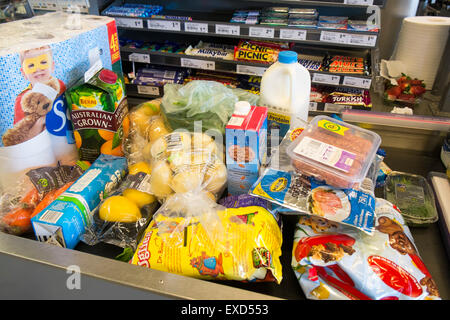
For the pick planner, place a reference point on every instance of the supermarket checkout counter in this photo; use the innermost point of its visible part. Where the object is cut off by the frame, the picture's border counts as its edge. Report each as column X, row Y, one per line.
column 33, row 270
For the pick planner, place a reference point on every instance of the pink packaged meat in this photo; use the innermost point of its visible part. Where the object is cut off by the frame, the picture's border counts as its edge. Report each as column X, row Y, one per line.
column 335, row 152
column 336, row 262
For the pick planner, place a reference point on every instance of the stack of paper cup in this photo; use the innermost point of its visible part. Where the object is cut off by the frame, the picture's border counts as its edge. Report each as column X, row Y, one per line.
column 420, row 46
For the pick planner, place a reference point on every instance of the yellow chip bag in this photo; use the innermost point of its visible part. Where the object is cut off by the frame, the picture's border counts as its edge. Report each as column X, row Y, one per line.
column 238, row 240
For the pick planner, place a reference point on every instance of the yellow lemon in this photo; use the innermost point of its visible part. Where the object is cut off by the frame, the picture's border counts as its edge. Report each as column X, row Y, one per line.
column 141, row 166
column 119, row 209
column 156, row 129
column 149, row 108
column 140, row 121
column 140, row 198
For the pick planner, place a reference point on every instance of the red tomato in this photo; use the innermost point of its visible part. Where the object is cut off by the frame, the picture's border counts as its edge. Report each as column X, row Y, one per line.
column 395, row 276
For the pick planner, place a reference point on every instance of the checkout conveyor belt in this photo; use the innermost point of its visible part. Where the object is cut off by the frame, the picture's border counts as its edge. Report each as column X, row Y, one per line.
column 33, row 270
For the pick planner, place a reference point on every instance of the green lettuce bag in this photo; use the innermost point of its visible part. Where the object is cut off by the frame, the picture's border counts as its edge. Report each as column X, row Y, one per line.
column 199, row 100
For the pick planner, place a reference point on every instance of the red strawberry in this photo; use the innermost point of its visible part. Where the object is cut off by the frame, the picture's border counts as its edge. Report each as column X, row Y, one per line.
column 406, row 97
column 404, row 79
column 417, row 90
column 394, row 91
column 404, row 86
column 417, row 82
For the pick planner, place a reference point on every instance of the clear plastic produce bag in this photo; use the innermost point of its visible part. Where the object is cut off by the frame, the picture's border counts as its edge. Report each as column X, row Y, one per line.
column 122, row 216
column 210, row 102
column 32, row 193
column 186, row 161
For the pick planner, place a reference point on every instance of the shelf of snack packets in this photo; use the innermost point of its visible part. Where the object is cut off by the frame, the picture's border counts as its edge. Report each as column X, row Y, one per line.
column 305, row 25
column 340, row 3
column 203, row 202
column 332, row 68
column 323, row 98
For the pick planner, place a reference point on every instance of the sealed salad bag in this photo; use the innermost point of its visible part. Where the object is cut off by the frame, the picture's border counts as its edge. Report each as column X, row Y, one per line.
column 122, row 216
column 298, row 193
column 194, row 236
column 333, row 261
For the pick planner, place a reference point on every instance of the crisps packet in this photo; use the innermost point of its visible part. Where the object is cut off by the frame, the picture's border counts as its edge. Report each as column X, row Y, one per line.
column 193, row 236
column 335, row 262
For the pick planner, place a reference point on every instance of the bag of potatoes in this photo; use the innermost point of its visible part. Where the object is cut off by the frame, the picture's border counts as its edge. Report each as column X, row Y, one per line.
column 186, row 161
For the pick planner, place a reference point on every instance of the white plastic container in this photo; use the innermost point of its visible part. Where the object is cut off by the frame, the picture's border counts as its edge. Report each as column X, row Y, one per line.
column 286, row 86
column 334, row 151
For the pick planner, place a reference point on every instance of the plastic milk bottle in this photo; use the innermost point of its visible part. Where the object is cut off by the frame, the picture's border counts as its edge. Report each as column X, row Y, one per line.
column 285, row 91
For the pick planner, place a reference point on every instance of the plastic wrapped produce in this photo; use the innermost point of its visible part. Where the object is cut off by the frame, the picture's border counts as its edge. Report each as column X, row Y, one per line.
column 122, row 216
column 194, row 236
column 33, row 193
column 334, row 262
column 210, row 102
column 183, row 162
column 65, row 219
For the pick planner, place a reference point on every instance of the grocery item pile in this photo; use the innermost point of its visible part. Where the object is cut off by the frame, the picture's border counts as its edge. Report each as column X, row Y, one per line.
column 186, row 184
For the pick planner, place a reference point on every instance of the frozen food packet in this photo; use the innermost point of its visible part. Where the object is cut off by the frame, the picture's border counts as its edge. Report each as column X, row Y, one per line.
column 194, row 236
column 335, row 262
column 281, row 184
column 121, row 218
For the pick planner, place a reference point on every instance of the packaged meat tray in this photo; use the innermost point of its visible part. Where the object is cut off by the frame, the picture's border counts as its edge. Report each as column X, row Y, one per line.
column 335, row 152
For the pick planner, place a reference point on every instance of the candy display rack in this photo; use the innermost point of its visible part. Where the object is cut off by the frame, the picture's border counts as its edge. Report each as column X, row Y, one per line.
column 213, row 24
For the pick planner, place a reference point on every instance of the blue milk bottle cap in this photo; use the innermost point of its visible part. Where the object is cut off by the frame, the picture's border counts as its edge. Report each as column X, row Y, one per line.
column 287, row 57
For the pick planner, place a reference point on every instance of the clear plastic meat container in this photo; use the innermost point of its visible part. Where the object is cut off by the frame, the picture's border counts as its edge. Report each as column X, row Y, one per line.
column 334, row 151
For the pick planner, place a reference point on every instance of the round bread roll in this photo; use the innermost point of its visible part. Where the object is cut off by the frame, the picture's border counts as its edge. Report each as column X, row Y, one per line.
column 160, row 179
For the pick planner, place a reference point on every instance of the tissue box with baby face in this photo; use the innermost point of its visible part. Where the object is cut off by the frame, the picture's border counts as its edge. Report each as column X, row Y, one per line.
column 40, row 58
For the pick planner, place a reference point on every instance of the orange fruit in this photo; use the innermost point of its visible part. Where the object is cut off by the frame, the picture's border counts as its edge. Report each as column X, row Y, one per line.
column 78, row 140
column 105, row 134
column 106, row 148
